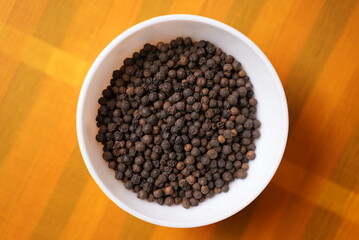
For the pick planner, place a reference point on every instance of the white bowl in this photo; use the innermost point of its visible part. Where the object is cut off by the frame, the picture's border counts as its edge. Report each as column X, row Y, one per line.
column 272, row 112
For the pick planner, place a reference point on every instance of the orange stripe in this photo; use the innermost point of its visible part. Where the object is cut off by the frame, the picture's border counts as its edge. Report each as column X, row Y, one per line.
column 25, row 15
column 17, row 95
column 233, row 227
column 187, row 6
column 294, row 219
column 270, row 23
column 324, row 112
column 267, row 214
column 55, row 21
column 163, row 233
column 113, row 25
column 160, row 7
column 92, row 202
column 31, row 171
column 8, row 66
column 243, row 14
column 6, row 8
column 317, row 190
column 293, row 36
column 69, row 186
column 85, row 32
column 111, row 223
column 317, row 49
column 347, row 230
column 322, row 225
column 216, row 9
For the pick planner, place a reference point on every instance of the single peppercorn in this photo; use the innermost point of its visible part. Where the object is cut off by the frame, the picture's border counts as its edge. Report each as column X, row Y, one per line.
column 240, row 173
column 250, row 155
column 212, row 154
column 227, row 176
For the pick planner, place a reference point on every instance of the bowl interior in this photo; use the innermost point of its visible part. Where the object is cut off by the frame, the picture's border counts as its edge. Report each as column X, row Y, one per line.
column 272, row 112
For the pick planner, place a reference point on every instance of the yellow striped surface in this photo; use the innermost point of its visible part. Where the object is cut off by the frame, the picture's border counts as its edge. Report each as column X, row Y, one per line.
column 46, row 48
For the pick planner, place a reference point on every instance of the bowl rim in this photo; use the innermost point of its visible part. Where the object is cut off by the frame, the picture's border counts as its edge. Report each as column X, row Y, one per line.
column 102, row 56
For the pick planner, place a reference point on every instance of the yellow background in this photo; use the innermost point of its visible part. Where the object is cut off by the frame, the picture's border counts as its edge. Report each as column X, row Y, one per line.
column 46, row 48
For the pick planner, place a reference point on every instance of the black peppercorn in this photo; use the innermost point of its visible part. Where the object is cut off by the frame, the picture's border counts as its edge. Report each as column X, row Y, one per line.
column 178, row 122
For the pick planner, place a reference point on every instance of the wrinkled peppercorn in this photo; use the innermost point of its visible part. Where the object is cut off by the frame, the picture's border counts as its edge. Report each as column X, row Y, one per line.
column 240, row 173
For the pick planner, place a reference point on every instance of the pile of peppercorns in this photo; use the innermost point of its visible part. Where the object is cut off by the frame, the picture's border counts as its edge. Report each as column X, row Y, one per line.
column 178, row 122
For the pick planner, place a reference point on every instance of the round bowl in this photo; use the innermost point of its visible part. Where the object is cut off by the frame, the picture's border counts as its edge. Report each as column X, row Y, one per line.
column 272, row 112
